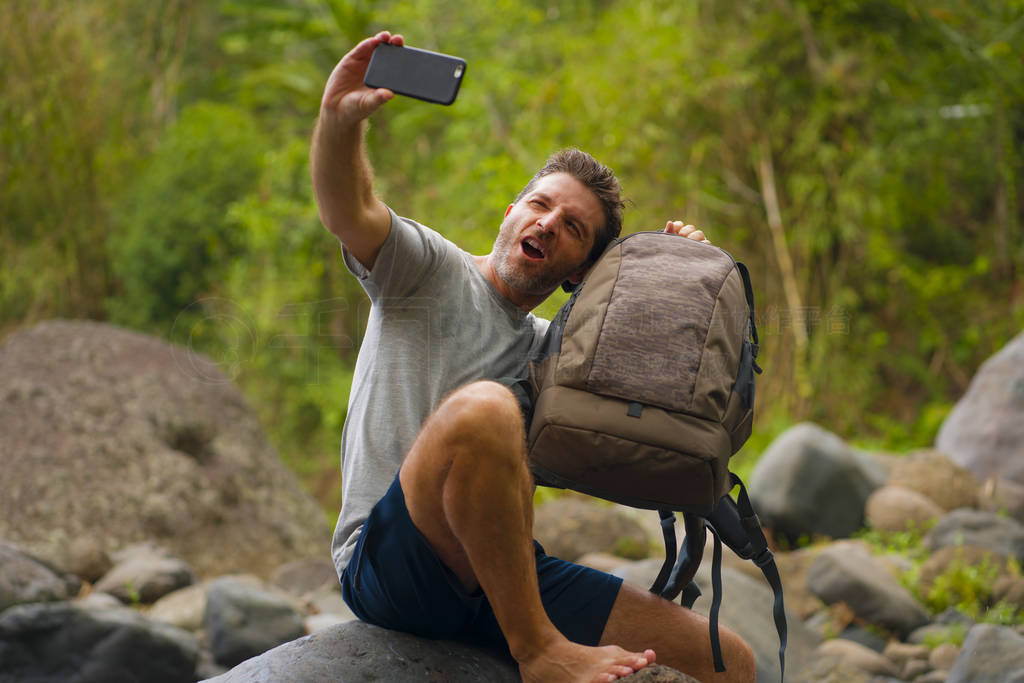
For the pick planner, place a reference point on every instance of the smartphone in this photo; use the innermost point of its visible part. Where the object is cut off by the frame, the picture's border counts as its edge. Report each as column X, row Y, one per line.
column 409, row 71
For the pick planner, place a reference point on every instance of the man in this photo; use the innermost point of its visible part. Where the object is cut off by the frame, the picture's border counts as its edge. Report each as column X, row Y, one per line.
column 447, row 550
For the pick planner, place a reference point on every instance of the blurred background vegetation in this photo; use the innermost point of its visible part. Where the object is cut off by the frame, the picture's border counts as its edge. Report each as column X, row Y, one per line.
column 864, row 157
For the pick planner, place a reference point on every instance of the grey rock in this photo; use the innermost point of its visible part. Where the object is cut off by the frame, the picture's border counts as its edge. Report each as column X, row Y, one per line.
column 242, row 621
column 845, row 572
column 830, row 669
column 116, row 437
column 901, row 653
column 984, row 432
column 58, row 641
column 25, row 578
column 145, row 573
column 183, row 608
column 570, row 527
column 87, row 558
column 746, row 609
column 978, row 528
column 931, row 473
column 944, row 656
column 306, row 575
column 1009, row 589
column 990, row 654
column 896, row 508
column 328, row 601
column 97, row 600
column 857, row 655
column 356, row 651
column 810, row 483
column 863, row 636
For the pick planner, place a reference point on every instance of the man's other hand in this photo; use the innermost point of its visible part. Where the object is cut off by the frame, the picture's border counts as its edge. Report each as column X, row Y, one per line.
column 345, row 95
column 685, row 230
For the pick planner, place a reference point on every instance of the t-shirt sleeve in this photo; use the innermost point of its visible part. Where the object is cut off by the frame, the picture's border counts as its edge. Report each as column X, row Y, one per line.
column 409, row 255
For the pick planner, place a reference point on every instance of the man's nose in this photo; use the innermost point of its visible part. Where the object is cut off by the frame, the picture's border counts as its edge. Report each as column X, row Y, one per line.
column 550, row 220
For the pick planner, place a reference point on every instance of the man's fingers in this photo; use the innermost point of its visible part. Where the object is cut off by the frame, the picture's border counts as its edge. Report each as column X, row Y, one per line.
column 686, row 230
column 374, row 100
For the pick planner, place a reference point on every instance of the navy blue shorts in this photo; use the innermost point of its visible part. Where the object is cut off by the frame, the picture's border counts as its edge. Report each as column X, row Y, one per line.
column 395, row 580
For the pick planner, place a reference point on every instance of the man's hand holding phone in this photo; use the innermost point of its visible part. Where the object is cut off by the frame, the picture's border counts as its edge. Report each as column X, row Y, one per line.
column 345, row 95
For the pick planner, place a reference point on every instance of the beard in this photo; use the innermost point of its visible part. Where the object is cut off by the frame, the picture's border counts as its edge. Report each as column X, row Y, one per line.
column 543, row 280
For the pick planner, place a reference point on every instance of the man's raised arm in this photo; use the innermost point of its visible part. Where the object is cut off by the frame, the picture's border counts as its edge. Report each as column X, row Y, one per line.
column 342, row 174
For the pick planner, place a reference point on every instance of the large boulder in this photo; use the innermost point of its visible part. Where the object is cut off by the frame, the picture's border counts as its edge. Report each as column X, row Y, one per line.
column 846, row 572
column 810, row 483
column 356, row 651
column 118, row 437
column 991, row 654
column 60, row 641
column 984, row 432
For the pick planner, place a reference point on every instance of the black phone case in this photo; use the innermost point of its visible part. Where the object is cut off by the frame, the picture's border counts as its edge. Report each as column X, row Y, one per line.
column 409, row 71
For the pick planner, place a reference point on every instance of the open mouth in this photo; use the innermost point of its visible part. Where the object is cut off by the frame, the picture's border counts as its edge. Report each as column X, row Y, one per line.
column 533, row 249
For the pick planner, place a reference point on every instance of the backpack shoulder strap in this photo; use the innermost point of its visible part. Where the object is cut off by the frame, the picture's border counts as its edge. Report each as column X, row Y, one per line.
column 740, row 529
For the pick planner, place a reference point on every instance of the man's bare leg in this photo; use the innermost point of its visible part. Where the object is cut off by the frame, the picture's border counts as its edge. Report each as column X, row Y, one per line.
column 469, row 492
column 678, row 635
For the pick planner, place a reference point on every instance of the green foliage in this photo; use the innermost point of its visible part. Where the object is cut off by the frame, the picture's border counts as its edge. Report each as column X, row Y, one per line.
column 174, row 236
column 908, row 543
column 967, row 587
column 951, row 633
column 963, row 586
column 153, row 171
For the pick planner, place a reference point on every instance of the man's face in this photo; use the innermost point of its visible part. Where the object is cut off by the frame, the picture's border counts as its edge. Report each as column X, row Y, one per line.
column 547, row 235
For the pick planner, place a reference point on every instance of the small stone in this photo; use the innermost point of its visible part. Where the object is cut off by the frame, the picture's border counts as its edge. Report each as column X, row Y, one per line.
column 182, row 608
column 897, row 508
column 144, row 573
column 859, row 656
column 87, row 559
column 944, row 656
column 901, row 653
column 914, row 668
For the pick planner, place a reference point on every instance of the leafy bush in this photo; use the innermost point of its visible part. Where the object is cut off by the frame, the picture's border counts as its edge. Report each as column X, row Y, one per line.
column 174, row 237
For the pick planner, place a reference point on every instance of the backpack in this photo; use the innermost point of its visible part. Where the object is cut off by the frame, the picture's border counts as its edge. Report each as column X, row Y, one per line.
column 643, row 389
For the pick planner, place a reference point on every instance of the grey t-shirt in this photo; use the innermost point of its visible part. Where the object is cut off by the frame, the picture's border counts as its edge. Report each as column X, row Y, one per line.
column 436, row 323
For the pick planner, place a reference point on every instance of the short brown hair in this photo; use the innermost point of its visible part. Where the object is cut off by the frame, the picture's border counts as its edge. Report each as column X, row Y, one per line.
column 596, row 177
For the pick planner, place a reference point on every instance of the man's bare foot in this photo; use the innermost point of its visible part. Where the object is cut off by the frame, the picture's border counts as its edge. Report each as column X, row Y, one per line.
column 567, row 661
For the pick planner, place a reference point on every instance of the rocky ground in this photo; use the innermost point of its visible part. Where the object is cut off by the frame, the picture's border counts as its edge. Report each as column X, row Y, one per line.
column 904, row 567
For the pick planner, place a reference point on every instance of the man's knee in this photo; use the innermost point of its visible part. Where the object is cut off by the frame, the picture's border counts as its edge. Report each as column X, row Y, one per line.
column 480, row 410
